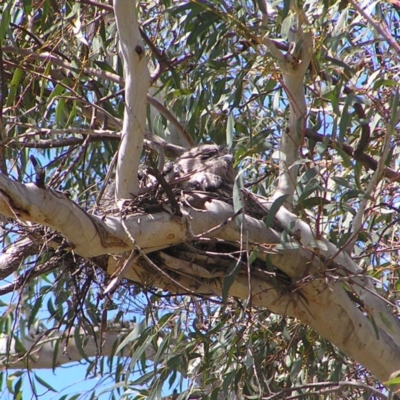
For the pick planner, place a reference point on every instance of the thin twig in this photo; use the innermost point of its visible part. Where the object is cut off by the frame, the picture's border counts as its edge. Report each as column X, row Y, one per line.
column 375, row 179
column 363, row 158
column 119, row 274
column 379, row 27
column 3, row 91
column 106, row 179
column 171, row 118
column 337, row 386
column 168, row 191
column 30, row 274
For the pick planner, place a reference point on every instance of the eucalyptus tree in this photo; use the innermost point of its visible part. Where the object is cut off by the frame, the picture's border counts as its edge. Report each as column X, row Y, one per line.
column 284, row 285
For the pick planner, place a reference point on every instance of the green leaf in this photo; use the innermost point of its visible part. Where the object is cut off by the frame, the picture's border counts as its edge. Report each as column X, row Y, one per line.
column 60, row 109
column 254, row 254
column 296, row 367
column 5, row 20
column 345, row 120
column 44, row 383
column 229, row 131
column 237, row 197
column 17, row 388
column 394, row 111
column 343, row 182
column 310, row 188
column 27, row 6
column 72, row 115
column 135, row 333
column 312, row 202
column 384, row 83
column 35, row 309
column 58, row 90
column 276, row 205
column 287, row 24
column 341, row 23
column 395, row 381
column 229, row 278
column 144, row 342
column 55, row 353
column 15, row 81
column 79, row 344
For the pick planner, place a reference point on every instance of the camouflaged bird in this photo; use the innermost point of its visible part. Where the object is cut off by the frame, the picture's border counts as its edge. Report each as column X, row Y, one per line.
column 208, row 168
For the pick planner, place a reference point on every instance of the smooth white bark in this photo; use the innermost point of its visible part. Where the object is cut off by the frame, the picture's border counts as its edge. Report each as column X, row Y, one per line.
column 293, row 68
column 137, row 82
column 362, row 285
column 323, row 303
column 43, row 351
column 320, row 301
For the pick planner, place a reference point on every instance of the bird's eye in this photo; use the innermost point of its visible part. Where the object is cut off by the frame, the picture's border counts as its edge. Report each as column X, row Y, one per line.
column 206, row 156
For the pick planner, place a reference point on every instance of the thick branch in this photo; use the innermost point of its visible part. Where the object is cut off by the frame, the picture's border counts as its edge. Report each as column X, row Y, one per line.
column 43, row 352
column 86, row 234
column 11, row 258
column 323, row 303
column 137, row 82
column 293, row 66
column 362, row 285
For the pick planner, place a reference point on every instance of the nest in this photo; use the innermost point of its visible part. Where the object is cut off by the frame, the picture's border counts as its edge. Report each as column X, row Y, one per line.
column 202, row 259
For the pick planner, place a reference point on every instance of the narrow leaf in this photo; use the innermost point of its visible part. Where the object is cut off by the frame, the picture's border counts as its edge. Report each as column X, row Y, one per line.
column 276, row 205
column 237, row 197
column 16, row 79
column 5, row 20
column 79, row 344
column 44, row 383
column 229, row 131
column 136, row 332
column 229, row 278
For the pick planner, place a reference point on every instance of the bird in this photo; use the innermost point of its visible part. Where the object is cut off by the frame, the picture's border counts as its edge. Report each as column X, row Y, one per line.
column 207, row 167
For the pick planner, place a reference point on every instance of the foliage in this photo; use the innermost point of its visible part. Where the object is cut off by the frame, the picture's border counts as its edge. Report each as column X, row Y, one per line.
column 62, row 101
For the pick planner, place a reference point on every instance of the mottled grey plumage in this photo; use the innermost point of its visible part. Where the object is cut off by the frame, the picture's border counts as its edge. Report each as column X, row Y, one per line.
column 208, row 167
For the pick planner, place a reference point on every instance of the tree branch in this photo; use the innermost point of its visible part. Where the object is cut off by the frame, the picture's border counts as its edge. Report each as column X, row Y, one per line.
column 323, row 303
column 137, row 82
column 102, row 75
column 362, row 285
column 358, row 220
column 293, row 65
column 41, row 349
column 11, row 257
column 379, row 27
column 364, row 159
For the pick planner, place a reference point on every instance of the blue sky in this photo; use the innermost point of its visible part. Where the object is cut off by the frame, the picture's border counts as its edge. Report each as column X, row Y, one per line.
column 69, row 379
column 66, row 380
